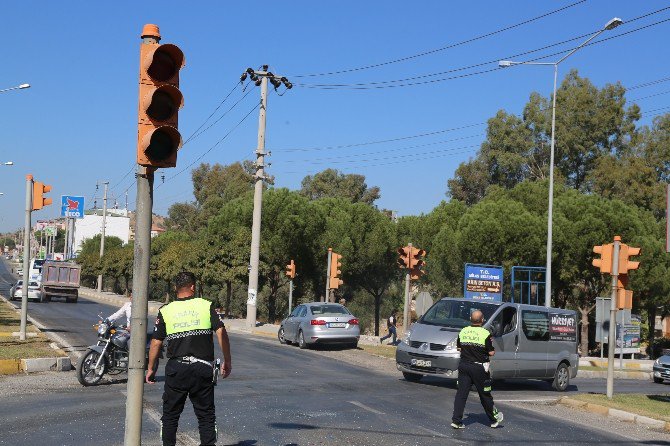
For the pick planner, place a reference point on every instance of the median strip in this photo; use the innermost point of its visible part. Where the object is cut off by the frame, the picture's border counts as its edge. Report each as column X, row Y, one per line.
column 35, row 354
column 651, row 411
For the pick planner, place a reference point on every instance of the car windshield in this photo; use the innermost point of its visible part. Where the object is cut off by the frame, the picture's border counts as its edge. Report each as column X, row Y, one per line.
column 325, row 310
column 456, row 313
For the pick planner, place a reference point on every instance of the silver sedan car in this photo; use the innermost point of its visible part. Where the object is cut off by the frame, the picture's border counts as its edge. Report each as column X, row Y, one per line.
column 319, row 323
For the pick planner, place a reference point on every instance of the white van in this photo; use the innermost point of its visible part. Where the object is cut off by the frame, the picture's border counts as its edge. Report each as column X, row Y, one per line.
column 530, row 341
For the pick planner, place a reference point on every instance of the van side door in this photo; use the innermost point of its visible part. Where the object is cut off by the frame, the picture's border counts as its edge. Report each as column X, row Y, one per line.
column 533, row 344
column 505, row 334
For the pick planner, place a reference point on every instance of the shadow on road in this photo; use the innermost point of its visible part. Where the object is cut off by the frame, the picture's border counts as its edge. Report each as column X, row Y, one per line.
column 509, row 385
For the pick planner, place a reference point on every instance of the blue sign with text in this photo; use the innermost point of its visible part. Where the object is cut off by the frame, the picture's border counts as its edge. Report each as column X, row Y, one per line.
column 483, row 282
column 72, row 206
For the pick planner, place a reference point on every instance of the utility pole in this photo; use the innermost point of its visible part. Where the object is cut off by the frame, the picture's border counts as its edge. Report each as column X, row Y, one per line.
column 260, row 78
column 408, row 299
column 326, row 297
column 102, row 237
column 67, row 233
column 26, row 257
column 611, row 341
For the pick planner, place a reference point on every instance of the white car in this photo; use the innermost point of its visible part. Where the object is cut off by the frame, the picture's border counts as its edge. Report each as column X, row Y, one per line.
column 34, row 291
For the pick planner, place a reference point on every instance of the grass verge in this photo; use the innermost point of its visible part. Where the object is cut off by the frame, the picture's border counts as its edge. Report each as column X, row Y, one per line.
column 652, row 406
column 11, row 347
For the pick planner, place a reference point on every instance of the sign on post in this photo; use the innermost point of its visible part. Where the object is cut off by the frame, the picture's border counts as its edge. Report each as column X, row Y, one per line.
column 72, row 206
column 483, row 282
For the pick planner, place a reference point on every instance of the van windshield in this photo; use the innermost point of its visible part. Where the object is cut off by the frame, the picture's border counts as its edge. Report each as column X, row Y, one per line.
column 456, row 313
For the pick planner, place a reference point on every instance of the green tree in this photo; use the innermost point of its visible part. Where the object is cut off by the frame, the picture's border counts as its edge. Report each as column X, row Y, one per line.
column 331, row 183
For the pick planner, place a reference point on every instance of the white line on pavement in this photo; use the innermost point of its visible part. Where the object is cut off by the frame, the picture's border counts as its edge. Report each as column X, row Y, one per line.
column 531, row 400
column 432, row 432
column 364, row 407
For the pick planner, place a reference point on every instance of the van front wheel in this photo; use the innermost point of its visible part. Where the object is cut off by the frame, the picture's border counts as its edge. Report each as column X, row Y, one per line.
column 561, row 378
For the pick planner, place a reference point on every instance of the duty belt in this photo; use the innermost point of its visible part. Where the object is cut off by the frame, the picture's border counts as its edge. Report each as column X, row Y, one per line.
column 192, row 359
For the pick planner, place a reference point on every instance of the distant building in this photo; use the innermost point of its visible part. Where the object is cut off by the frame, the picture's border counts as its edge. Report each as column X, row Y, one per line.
column 117, row 225
column 156, row 230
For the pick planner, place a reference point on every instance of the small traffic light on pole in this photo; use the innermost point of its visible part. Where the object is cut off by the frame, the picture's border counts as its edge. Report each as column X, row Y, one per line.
column 403, row 259
column 604, row 263
column 625, row 264
column 335, row 272
column 158, row 139
column 290, row 270
column 416, row 262
column 39, row 200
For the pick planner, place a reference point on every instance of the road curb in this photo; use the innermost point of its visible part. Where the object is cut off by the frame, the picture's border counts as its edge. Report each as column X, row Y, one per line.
column 617, row 414
column 618, row 374
column 118, row 300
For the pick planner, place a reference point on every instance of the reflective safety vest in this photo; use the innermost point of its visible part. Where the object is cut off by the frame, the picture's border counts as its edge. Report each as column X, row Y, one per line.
column 475, row 336
column 187, row 315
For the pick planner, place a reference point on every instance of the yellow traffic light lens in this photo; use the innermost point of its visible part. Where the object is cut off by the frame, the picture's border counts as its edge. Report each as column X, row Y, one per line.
column 162, row 106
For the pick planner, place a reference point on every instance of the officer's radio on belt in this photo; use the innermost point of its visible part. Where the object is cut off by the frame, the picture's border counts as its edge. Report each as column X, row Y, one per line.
column 215, row 372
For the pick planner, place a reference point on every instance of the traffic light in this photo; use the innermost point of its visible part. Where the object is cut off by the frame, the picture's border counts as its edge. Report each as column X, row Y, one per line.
column 605, row 260
column 416, row 263
column 290, row 270
column 334, row 281
column 39, row 200
column 158, row 139
column 624, row 297
column 625, row 264
column 403, row 260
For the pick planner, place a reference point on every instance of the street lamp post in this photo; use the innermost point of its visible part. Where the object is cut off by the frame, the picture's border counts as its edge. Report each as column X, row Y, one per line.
column 550, row 213
column 18, row 87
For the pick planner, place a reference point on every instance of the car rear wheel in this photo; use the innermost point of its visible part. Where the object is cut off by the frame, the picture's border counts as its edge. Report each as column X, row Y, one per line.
column 561, row 378
column 412, row 377
column 301, row 340
column 280, row 336
column 658, row 380
column 354, row 345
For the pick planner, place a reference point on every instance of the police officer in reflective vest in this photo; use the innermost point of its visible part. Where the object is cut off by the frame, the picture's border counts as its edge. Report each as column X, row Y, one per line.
column 187, row 324
column 475, row 345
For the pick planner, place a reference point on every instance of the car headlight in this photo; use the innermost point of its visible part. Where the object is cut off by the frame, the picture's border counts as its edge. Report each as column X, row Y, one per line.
column 452, row 344
column 658, row 361
column 405, row 338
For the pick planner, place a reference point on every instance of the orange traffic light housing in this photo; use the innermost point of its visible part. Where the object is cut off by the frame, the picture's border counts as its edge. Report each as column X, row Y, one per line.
column 334, row 280
column 625, row 264
column 403, row 259
column 290, row 270
column 158, row 137
column 39, row 200
column 416, row 263
column 604, row 263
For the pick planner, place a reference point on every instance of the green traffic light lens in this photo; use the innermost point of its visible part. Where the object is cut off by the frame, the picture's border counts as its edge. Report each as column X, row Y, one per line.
column 161, row 146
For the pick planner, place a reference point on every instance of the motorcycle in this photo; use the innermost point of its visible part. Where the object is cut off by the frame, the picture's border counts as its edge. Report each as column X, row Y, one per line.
column 109, row 355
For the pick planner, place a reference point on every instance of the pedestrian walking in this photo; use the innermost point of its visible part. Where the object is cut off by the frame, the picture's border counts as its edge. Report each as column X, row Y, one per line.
column 391, row 323
column 476, row 347
column 188, row 324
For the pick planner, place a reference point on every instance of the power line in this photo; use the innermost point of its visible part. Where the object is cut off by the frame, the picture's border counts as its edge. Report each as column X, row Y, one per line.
column 650, row 96
column 397, row 149
column 453, row 45
column 213, row 146
column 195, row 135
column 382, row 141
column 237, row 84
column 649, row 83
column 404, row 82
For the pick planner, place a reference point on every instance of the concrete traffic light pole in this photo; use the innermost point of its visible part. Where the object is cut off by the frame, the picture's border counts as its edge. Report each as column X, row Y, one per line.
column 26, row 257
column 611, row 341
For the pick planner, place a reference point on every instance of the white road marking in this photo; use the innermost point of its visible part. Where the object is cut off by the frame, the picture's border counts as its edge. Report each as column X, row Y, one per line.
column 364, row 407
column 531, row 400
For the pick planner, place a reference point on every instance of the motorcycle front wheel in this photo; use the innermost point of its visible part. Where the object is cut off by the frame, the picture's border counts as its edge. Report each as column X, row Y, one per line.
column 86, row 372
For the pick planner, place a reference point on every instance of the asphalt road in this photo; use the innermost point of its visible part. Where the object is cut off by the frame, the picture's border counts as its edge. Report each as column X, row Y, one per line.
column 280, row 395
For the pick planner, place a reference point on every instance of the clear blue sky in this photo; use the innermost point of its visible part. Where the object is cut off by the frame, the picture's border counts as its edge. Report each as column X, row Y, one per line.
column 77, row 124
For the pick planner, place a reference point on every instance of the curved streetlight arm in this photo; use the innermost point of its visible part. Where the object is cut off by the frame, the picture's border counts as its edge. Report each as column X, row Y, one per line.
column 18, row 87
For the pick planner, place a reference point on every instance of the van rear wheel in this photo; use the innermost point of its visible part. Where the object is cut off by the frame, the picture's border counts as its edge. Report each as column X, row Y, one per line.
column 561, row 378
